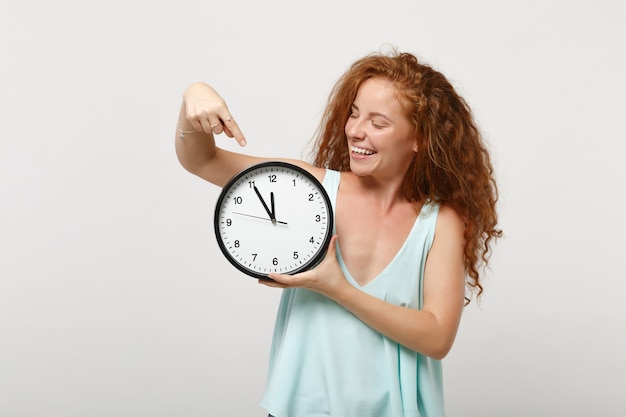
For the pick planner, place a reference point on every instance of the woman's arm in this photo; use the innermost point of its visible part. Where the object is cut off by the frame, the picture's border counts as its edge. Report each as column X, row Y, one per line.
column 204, row 114
column 431, row 330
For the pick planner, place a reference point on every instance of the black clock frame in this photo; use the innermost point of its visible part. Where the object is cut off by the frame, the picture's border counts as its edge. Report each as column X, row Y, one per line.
column 314, row 261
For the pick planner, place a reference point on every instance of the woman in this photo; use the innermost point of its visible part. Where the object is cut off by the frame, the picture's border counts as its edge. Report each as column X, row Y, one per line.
column 412, row 187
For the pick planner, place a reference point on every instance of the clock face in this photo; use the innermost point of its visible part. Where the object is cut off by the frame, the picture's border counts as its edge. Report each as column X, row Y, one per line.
column 273, row 217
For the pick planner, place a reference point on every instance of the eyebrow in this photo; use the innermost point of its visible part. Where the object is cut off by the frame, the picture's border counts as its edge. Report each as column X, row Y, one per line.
column 355, row 107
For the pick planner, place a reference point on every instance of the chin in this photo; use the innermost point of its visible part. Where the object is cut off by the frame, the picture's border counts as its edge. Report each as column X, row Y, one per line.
column 359, row 169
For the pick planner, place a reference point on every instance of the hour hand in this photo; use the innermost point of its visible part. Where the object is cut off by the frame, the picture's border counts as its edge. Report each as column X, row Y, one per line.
column 267, row 209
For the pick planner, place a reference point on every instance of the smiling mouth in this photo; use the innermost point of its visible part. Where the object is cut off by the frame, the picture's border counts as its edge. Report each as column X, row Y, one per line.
column 362, row 151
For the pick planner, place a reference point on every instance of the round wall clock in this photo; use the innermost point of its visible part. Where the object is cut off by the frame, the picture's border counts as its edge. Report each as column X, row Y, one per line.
column 273, row 217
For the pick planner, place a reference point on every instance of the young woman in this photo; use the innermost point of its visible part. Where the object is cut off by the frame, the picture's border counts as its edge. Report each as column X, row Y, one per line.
column 414, row 197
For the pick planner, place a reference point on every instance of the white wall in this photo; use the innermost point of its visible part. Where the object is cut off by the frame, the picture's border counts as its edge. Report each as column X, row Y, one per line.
column 114, row 298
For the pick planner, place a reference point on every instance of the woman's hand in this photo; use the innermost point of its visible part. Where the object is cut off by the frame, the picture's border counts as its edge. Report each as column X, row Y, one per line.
column 207, row 111
column 326, row 279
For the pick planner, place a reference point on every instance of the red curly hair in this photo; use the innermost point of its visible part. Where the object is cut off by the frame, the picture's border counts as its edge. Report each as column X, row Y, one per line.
column 452, row 165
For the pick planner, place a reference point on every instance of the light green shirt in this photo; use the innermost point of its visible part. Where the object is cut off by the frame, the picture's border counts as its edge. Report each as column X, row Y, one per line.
column 324, row 361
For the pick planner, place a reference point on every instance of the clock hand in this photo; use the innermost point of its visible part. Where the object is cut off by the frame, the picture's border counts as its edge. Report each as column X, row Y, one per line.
column 272, row 203
column 258, row 217
column 269, row 213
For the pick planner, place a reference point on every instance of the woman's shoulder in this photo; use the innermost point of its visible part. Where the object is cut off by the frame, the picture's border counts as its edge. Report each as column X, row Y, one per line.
column 317, row 172
column 449, row 221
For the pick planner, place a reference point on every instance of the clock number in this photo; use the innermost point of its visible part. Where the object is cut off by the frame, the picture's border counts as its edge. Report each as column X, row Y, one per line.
column 254, row 255
column 295, row 255
column 238, row 200
column 312, row 240
column 272, row 177
column 318, row 218
column 251, row 184
column 229, row 222
column 294, row 182
column 236, row 243
column 275, row 261
column 310, row 197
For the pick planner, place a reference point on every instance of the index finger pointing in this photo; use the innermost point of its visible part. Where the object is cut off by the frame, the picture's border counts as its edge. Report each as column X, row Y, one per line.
column 231, row 128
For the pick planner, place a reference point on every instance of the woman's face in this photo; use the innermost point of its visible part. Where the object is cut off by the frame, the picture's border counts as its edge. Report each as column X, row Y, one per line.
column 380, row 137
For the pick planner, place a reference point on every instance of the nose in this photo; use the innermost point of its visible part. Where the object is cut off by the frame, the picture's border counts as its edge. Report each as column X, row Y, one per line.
column 354, row 128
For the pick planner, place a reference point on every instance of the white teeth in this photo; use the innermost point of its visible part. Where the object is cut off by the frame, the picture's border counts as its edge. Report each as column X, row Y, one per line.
column 362, row 151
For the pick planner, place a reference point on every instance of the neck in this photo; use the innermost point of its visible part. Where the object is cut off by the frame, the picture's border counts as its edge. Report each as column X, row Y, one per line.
column 386, row 193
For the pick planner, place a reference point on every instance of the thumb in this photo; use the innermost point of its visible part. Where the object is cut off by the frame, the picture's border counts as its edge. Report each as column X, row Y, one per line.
column 332, row 246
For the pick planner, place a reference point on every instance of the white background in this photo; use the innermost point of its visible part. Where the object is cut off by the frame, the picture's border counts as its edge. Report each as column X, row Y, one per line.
column 114, row 297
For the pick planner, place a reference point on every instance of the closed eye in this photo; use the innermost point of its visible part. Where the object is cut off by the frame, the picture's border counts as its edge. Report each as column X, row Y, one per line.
column 378, row 125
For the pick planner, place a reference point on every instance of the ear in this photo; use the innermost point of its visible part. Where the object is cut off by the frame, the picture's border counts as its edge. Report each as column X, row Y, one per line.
column 415, row 147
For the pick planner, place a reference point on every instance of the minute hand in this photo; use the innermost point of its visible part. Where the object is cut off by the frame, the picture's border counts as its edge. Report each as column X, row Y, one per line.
column 267, row 209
